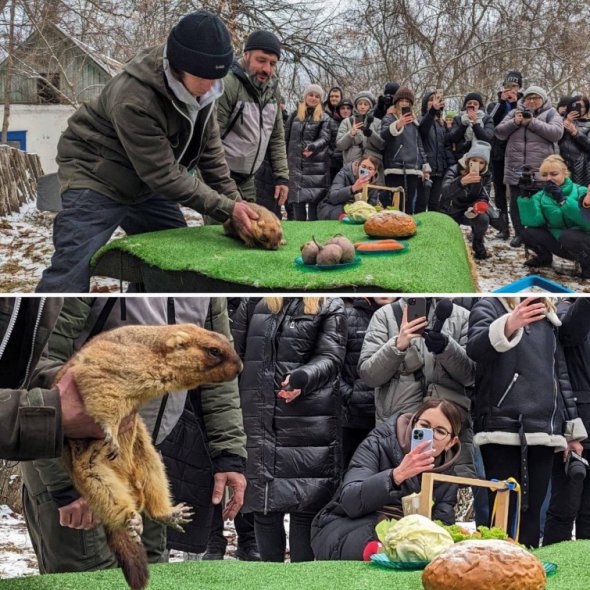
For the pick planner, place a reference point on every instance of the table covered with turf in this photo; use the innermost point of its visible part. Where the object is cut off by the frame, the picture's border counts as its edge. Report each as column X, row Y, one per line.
column 203, row 259
column 573, row 573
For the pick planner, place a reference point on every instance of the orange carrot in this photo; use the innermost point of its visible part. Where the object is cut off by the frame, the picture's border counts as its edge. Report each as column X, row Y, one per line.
column 378, row 245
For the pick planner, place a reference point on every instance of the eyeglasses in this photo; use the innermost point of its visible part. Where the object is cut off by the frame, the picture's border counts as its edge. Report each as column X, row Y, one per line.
column 533, row 98
column 439, row 432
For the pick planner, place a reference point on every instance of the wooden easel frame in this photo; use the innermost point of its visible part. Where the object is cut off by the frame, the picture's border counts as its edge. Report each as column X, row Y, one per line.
column 503, row 499
column 397, row 191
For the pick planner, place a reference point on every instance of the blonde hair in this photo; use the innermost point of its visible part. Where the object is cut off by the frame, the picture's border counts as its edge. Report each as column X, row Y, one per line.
column 302, row 111
column 554, row 160
column 550, row 306
column 311, row 305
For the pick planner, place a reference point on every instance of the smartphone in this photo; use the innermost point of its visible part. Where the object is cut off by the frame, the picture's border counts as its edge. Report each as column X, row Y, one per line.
column 420, row 435
column 474, row 167
column 416, row 308
column 406, row 110
column 363, row 173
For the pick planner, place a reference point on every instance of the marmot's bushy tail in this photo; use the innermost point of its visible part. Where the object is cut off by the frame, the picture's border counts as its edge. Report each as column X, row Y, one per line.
column 131, row 556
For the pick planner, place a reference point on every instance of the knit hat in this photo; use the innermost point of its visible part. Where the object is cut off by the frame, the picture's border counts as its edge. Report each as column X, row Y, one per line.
column 513, row 77
column 200, row 45
column 314, row 88
column 391, row 88
column 365, row 95
column 264, row 40
column 473, row 96
column 536, row 90
column 344, row 102
column 479, row 149
column 450, row 115
column 564, row 101
column 402, row 93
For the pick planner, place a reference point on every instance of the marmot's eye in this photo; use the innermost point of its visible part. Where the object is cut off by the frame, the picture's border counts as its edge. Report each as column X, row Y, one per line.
column 214, row 352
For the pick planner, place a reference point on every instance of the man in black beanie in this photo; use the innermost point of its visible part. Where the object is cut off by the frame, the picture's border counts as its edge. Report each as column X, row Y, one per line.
column 386, row 99
column 251, row 121
column 127, row 157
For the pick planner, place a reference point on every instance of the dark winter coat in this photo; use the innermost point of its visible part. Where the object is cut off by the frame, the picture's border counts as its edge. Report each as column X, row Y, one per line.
column 529, row 144
column 264, row 181
column 358, row 398
column 521, row 381
column 575, row 150
column 137, row 138
column 340, row 193
column 403, row 149
column 433, row 132
column 497, row 111
column 309, row 178
column 575, row 338
column 368, row 493
column 456, row 198
column 459, row 133
column 294, row 454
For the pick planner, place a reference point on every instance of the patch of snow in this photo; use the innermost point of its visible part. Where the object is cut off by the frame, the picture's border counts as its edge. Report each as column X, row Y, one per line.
column 17, row 557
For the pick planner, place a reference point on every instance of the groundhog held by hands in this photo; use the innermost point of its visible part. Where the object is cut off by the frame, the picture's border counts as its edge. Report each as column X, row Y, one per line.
column 267, row 232
column 121, row 476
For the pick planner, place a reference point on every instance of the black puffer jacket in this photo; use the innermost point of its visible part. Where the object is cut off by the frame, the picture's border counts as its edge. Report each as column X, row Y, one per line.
column 433, row 132
column 343, row 528
column 294, row 461
column 340, row 193
column 358, row 399
column 575, row 338
column 456, row 198
column 520, row 381
column 309, row 178
column 497, row 111
column 575, row 150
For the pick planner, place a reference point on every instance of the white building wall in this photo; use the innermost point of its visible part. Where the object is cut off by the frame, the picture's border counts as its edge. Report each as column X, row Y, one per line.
column 44, row 124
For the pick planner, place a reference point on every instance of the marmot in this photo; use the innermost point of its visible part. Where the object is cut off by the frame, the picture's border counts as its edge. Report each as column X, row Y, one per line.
column 267, row 231
column 123, row 475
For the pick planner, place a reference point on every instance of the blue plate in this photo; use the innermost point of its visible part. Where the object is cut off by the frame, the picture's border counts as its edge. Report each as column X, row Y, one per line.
column 382, row 560
column 405, row 248
column 550, row 568
column 299, row 262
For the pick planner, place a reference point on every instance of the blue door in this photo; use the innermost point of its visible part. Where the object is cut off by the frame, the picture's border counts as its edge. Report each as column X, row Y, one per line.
column 18, row 139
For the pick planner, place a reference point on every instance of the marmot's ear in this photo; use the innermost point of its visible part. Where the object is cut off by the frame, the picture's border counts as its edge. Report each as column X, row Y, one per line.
column 178, row 340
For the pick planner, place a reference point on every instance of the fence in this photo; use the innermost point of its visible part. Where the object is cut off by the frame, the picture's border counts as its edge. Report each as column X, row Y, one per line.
column 19, row 172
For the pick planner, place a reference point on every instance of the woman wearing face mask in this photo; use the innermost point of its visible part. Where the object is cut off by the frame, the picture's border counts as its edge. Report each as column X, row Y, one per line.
column 382, row 471
column 348, row 187
column 307, row 137
column 557, row 218
column 466, row 194
column 574, row 146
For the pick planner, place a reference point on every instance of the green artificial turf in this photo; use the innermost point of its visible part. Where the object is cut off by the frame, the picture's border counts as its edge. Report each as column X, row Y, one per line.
column 572, row 559
column 436, row 262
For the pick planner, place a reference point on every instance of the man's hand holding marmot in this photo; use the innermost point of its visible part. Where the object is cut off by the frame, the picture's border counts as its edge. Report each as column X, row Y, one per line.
column 241, row 216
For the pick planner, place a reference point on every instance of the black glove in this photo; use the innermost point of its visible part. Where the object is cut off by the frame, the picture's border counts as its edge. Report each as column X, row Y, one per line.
column 555, row 191
column 367, row 131
column 436, row 342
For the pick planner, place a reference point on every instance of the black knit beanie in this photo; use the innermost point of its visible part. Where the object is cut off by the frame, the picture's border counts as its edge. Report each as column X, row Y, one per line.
column 200, row 45
column 264, row 40
column 473, row 96
column 513, row 77
column 391, row 88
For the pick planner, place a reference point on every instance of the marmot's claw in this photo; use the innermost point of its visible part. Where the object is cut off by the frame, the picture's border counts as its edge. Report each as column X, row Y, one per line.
column 113, row 453
column 134, row 526
column 182, row 514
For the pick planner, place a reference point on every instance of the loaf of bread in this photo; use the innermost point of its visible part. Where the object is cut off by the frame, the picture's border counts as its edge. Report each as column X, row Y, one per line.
column 390, row 224
column 485, row 565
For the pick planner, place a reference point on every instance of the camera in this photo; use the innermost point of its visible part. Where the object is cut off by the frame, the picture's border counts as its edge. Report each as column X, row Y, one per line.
column 527, row 184
column 574, row 108
column 575, row 467
column 527, row 114
column 387, row 100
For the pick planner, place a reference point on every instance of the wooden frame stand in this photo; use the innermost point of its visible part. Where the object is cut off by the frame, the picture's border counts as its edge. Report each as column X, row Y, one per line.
column 502, row 504
column 397, row 191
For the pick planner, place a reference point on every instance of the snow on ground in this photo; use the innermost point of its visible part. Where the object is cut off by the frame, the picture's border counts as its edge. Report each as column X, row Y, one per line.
column 16, row 552
column 26, row 248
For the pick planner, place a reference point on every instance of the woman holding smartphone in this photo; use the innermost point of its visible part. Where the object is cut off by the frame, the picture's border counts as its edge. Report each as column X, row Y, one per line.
column 382, row 471
column 525, row 410
column 404, row 158
column 348, row 187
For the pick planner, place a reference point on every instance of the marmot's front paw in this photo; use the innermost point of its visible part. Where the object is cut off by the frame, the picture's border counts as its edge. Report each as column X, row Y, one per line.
column 113, row 451
column 134, row 526
column 182, row 514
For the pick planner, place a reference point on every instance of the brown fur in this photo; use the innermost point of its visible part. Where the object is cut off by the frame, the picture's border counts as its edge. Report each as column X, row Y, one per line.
column 267, row 231
column 121, row 476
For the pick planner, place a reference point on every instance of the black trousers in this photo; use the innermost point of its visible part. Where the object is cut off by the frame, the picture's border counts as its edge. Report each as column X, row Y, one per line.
column 429, row 199
column 570, row 503
column 514, row 212
column 499, row 186
column 271, row 536
column 301, row 214
column 479, row 225
column 502, row 462
column 244, row 524
column 410, row 183
column 572, row 244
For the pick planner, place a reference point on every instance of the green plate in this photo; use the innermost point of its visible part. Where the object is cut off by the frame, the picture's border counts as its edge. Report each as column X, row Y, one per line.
column 382, row 560
column 550, row 568
column 405, row 248
column 299, row 262
column 351, row 221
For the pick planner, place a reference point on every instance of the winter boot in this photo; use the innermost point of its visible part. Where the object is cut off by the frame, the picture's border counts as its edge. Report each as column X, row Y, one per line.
column 479, row 250
column 539, row 261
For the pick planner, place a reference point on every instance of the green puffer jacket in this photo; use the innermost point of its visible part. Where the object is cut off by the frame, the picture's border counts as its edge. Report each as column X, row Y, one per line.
column 220, row 403
column 136, row 138
column 250, row 120
column 541, row 210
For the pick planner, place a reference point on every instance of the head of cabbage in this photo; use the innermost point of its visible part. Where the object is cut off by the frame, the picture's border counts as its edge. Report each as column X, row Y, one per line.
column 412, row 538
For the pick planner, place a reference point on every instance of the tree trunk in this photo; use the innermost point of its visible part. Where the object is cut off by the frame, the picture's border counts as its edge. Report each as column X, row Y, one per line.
column 8, row 78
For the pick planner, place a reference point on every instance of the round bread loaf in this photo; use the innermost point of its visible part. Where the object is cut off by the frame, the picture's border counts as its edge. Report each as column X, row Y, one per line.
column 390, row 224
column 484, row 565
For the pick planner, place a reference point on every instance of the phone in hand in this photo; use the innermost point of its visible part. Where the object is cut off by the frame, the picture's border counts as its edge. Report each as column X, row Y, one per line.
column 420, row 435
column 406, row 110
column 474, row 167
column 416, row 308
